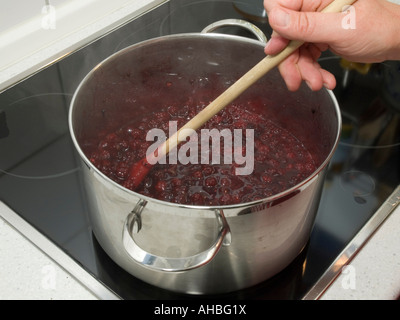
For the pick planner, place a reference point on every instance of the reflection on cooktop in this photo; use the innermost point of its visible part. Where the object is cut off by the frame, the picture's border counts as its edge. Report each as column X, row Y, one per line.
column 36, row 137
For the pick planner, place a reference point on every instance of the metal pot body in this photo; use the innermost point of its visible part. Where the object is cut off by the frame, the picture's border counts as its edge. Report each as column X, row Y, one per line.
column 194, row 249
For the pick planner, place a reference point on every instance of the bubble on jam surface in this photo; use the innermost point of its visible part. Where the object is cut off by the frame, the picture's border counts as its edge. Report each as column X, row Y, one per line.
column 280, row 160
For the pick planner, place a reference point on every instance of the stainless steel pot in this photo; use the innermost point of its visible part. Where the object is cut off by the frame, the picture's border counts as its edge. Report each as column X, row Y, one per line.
column 194, row 249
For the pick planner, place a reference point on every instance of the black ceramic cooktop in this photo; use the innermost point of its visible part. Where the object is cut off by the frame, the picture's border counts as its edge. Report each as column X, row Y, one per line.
column 40, row 176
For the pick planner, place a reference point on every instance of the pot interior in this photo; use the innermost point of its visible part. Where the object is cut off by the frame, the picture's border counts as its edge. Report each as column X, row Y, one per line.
column 174, row 70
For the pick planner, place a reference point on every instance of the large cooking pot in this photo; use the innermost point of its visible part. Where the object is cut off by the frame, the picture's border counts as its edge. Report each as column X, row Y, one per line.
column 198, row 249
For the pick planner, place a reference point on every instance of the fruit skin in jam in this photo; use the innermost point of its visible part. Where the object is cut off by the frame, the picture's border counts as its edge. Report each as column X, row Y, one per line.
column 138, row 173
column 280, row 160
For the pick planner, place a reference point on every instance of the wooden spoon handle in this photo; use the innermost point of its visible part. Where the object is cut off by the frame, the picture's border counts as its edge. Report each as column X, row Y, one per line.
column 247, row 80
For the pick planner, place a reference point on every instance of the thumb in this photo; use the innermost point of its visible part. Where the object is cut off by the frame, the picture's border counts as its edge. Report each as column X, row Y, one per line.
column 313, row 27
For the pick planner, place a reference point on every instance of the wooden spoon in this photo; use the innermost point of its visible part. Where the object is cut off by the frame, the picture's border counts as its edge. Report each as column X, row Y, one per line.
column 140, row 169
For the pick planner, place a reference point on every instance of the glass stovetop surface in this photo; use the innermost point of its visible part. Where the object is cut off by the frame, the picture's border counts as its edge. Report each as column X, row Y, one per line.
column 40, row 176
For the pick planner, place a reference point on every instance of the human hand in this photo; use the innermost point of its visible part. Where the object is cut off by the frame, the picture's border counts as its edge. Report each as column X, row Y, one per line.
column 373, row 36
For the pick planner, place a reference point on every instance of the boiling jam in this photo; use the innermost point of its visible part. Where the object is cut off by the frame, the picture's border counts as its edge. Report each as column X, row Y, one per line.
column 279, row 160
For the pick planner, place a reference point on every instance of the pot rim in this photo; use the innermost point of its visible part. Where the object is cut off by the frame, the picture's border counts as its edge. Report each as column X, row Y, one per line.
column 300, row 186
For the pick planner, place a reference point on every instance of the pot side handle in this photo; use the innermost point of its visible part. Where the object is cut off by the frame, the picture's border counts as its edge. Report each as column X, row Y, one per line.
column 237, row 23
column 159, row 263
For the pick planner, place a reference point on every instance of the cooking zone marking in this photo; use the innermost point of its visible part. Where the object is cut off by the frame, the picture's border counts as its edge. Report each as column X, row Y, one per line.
column 189, row 152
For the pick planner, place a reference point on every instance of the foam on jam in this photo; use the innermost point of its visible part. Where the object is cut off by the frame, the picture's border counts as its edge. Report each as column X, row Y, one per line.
column 280, row 160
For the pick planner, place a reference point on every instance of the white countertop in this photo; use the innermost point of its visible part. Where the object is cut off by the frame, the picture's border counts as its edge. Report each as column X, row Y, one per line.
column 26, row 272
column 374, row 273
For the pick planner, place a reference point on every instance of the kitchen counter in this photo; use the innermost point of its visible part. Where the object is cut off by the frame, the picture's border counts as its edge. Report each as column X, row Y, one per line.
column 27, row 273
column 374, row 273
column 26, row 269
column 49, row 35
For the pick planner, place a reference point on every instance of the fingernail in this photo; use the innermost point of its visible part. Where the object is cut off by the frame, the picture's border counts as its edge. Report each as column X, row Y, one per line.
column 281, row 18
